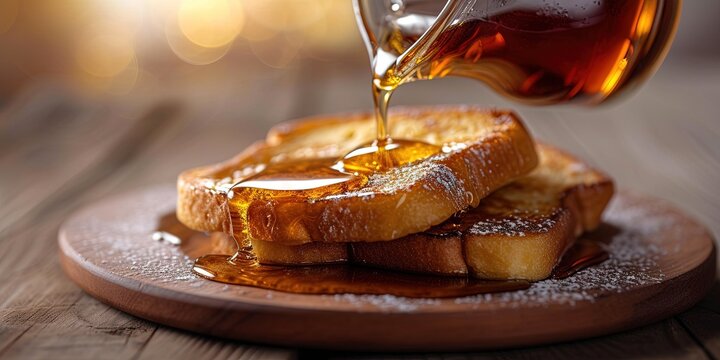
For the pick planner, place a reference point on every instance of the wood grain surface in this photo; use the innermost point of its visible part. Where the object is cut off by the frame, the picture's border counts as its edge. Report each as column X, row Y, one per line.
column 661, row 141
column 661, row 263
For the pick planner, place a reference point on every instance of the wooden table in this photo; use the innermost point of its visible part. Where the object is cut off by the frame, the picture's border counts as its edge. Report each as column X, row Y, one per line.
column 60, row 150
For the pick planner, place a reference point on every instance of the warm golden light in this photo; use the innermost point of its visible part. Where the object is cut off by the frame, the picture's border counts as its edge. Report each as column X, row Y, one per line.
column 210, row 23
column 254, row 31
column 8, row 13
column 283, row 15
column 276, row 52
column 189, row 51
column 646, row 19
column 121, row 83
column 119, row 46
column 279, row 32
column 331, row 33
column 618, row 70
column 105, row 54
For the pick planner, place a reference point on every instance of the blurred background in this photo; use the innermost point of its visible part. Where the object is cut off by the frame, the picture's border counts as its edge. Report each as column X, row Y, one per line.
column 118, row 47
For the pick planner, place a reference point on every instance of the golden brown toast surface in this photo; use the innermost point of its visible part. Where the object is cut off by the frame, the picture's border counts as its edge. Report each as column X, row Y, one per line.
column 482, row 151
column 518, row 232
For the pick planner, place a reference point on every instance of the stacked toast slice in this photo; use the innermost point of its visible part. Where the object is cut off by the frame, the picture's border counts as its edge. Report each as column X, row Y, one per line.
column 483, row 206
column 484, row 150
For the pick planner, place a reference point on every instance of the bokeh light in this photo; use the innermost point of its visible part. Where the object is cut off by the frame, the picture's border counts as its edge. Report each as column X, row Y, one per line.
column 189, row 51
column 210, row 23
column 115, row 45
column 278, row 51
column 280, row 32
column 105, row 54
column 254, row 31
column 120, row 83
column 283, row 15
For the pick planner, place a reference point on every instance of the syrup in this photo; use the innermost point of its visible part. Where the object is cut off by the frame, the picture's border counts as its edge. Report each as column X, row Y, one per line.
column 532, row 51
column 284, row 183
column 584, row 253
column 526, row 54
column 352, row 279
column 344, row 279
column 316, row 179
column 385, row 154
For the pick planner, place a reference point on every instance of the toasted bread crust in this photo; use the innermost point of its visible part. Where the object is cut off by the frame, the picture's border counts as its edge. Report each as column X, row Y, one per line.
column 496, row 149
column 200, row 206
column 313, row 253
column 420, row 253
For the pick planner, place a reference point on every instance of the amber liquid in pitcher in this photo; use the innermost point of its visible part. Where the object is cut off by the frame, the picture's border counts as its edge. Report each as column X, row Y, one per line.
column 540, row 52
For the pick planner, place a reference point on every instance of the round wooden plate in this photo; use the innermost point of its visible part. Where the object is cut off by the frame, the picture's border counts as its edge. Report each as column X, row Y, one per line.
column 661, row 263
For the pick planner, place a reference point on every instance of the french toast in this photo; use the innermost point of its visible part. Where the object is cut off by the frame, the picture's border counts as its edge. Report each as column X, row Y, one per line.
column 480, row 151
column 513, row 223
column 518, row 232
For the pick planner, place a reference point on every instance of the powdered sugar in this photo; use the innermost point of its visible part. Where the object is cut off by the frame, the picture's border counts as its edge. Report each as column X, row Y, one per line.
column 633, row 264
column 512, row 226
column 403, row 177
column 385, row 302
column 636, row 233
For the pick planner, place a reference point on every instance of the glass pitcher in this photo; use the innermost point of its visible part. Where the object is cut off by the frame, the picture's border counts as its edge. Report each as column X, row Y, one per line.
column 536, row 51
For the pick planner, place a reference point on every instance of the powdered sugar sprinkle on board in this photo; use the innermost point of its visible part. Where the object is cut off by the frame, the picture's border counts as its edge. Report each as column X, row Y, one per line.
column 632, row 264
column 641, row 236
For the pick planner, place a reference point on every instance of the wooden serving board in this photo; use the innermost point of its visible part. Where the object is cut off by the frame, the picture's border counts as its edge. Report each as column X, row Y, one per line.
column 661, row 263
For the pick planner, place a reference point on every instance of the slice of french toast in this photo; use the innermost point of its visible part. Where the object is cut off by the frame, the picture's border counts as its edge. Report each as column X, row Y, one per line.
column 480, row 151
column 518, row 232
